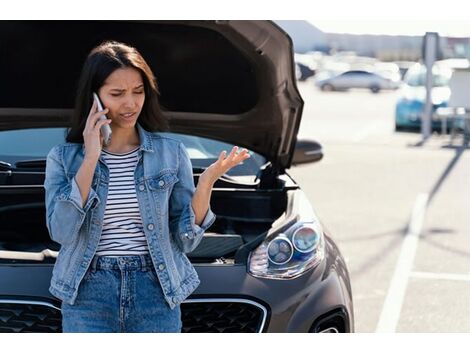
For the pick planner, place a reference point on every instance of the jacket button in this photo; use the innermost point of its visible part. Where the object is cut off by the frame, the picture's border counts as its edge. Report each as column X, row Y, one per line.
column 161, row 183
column 161, row 267
column 174, row 299
column 141, row 187
column 150, row 226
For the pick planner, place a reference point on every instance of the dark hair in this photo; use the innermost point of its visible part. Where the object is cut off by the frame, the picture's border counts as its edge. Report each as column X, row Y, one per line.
column 100, row 63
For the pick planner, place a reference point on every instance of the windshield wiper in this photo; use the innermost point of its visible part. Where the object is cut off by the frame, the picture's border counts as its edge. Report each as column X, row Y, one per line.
column 4, row 166
column 23, row 164
column 31, row 164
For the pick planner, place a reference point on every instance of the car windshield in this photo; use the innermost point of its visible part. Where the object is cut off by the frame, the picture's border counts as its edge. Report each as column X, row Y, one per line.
column 418, row 79
column 35, row 143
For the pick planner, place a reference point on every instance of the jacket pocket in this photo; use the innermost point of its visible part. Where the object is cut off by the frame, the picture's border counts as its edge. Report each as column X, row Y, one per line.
column 163, row 181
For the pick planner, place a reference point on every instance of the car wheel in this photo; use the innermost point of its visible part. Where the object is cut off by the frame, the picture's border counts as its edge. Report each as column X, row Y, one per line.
column 327, row 87
column 375, row 89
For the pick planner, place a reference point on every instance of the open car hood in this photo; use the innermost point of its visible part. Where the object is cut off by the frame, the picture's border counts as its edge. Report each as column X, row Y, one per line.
column 229, row 80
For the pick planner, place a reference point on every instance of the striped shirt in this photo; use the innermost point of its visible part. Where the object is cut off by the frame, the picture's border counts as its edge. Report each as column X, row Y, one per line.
column 122, row 232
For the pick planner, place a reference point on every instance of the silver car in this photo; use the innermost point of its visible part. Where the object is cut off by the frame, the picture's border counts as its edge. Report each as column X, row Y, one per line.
column 357, row 79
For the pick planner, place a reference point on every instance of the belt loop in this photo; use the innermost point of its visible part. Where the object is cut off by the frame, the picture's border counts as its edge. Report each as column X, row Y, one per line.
column 94, row 263
column 143, row 262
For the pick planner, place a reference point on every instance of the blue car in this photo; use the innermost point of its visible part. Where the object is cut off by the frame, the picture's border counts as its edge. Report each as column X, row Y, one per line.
column 412, row 97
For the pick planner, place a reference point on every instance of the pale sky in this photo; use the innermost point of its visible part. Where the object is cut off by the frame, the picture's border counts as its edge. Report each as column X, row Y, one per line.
column 457, row 28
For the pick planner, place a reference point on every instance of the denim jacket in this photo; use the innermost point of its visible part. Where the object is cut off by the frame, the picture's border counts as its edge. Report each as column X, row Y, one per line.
column 164, row 186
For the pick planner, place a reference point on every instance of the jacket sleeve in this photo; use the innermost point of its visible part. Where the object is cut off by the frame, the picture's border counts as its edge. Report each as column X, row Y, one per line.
column 64, row 212
column 183, row 227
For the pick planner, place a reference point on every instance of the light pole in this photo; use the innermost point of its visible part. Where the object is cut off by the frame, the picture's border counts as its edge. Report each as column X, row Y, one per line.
column 431, row 43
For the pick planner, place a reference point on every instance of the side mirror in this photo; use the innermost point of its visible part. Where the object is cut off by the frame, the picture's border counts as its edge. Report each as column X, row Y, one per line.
column 307, row 151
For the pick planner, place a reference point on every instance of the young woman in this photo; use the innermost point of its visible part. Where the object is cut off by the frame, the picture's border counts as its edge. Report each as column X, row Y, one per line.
column 125, row 213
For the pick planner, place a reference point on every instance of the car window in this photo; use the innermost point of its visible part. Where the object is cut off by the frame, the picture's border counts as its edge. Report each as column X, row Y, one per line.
column 31, row 142
column 205, row 151
column 35, row 143
column 417, row 78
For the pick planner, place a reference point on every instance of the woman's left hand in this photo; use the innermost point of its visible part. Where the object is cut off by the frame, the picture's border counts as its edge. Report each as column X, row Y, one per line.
column 222, row 165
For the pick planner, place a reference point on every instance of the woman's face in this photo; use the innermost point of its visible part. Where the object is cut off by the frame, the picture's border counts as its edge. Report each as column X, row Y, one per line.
column 123, row 94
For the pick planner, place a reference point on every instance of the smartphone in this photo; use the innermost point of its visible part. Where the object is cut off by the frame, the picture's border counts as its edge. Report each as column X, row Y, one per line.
column 105, row 129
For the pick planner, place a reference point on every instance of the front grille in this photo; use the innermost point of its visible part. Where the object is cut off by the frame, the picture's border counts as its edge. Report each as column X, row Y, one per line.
column 197, row 316
column 237, row 316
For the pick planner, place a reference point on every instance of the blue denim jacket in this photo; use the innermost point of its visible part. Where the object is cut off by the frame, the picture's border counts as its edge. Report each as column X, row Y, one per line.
column 164, row 187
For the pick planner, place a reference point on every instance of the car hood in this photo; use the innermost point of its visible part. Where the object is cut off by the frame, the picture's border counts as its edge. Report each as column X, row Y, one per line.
column 232, row 81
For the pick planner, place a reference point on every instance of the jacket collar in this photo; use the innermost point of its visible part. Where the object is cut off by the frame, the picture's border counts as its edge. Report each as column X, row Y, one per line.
column 145, row 139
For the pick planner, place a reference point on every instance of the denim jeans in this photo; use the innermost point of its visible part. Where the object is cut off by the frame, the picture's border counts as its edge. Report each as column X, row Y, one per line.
column 121, row 294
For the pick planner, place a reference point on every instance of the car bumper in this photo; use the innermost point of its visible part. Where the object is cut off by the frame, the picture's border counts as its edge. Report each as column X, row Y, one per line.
column 227, row 300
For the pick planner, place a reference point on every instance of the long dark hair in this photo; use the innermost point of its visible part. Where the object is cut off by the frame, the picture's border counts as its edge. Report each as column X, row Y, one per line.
column 100, row 63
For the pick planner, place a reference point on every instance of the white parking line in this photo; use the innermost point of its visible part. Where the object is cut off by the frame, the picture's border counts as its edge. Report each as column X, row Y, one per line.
column 393, row 302
column 440, row 276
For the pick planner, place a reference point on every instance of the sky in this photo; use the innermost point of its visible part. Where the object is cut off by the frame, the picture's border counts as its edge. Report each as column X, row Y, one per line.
column 453, row 28
column 394, row 17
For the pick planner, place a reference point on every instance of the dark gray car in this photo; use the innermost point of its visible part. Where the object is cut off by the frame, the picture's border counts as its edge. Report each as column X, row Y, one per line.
column 267, row 264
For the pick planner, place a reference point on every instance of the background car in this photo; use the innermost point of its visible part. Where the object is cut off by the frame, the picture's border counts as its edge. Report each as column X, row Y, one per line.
column 412, row 96
column 357, row 79
column 268, row 263
column 404, row 66
column 303, row 72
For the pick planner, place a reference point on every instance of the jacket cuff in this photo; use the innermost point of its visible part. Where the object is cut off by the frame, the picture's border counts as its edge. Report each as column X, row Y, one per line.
column 194, row 230
column 206, row 222
column 76, row 198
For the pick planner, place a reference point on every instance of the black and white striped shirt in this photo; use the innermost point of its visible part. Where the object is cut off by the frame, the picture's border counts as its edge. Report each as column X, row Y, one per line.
column 122, row 224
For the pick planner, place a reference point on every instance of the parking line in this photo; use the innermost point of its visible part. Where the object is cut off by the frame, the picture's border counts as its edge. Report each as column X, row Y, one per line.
column 440, row 276
column 391, row 310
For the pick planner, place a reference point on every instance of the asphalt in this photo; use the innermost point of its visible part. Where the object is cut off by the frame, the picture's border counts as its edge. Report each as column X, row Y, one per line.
column 365, row 190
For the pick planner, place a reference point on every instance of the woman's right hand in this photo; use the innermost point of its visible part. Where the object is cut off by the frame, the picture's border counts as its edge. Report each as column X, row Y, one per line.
column 91, row 134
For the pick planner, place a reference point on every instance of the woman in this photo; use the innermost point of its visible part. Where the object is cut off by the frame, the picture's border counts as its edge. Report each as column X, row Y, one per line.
column 125, row 213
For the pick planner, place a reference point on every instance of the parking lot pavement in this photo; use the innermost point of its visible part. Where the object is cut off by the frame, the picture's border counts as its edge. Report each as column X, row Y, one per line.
column 367, row 189
column 437, row 297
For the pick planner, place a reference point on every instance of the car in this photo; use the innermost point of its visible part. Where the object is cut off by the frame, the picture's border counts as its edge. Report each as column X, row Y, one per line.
column 412, row 97
column 303, row 72
column 268, row 263
column 404, row 66
column 357, row 79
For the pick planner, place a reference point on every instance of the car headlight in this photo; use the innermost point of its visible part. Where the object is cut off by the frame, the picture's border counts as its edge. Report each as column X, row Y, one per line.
column 288, row 254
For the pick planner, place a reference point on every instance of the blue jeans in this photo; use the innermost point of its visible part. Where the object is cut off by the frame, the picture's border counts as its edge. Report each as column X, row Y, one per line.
column 120, row 294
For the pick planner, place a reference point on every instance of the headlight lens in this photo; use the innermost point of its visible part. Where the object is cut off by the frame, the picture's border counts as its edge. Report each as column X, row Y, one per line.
column 288, row 254
column 305, row 239
column 280, row 250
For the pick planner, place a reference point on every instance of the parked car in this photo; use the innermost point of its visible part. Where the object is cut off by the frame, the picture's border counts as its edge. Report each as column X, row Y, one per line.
column 412, row 97
column 357, row 79
column 303, row 72
column 404, row 66
column 306, row 64
column 267, row 264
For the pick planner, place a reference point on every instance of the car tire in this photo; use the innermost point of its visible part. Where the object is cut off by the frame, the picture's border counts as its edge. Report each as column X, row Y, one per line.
column 375, row 89
column 327, row 87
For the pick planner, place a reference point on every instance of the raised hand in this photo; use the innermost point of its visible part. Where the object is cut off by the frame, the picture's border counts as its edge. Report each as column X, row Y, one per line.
column 223, row 164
